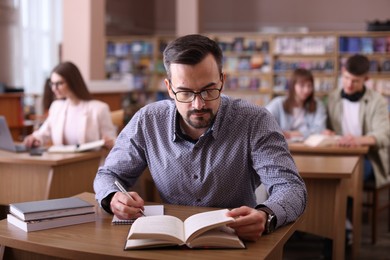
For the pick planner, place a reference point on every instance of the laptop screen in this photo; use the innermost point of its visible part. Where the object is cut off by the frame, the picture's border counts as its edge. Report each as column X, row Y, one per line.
column 6, row 141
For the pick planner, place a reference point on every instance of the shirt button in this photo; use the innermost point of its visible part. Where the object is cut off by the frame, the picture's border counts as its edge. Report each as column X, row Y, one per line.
column 196, row 177
column 198, row 200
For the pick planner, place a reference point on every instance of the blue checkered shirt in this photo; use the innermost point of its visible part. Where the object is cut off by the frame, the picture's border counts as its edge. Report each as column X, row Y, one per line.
column 243, row 148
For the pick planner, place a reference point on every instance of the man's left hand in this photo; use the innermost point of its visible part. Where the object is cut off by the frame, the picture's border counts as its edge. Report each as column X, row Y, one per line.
column 249, row 224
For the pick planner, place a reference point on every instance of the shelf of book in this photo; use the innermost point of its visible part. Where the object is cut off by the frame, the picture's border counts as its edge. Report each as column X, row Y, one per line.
column 258, row 66
column 137, row 60
column 313, row 51
column 374, row 45
column 247, row 64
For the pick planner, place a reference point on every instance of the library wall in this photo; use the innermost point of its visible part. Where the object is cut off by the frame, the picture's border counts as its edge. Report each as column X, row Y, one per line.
column 9, row 44
column 340, row 15
column 84, row 36
column 223, row 15
column 124, row 17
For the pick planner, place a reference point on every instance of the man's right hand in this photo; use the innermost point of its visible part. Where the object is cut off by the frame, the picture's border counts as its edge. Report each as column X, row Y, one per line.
column 126, row 208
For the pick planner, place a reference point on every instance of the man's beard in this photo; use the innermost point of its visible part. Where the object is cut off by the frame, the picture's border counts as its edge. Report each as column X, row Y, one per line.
column 200, row 122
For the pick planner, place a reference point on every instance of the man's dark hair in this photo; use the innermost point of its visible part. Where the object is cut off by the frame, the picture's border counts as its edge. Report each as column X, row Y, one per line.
column 191, row 49
column 357, row 65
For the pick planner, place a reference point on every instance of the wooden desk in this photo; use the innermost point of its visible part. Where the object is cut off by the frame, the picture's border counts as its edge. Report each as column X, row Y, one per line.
column 326, row 179
column 354, row 184
column 24, row 177
column 300, row 148
column 326, row 182
column 101, row 240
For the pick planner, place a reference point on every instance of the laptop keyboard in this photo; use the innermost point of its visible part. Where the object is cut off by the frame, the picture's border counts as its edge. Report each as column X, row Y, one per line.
column 21, row 148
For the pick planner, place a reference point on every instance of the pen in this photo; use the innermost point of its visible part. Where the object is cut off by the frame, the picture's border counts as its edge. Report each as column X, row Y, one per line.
column 120, row 187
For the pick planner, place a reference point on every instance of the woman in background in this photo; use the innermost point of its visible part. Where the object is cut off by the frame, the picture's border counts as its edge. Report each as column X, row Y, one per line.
column 73, row 118
column 48, row 97
column 299, row 114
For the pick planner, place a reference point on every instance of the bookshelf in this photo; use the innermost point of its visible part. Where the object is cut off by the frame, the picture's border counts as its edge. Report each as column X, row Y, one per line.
column 257, row 65
column 376, row 46
column 131, row 60
column 137, row 61
column 315, row 52
column 247, row 64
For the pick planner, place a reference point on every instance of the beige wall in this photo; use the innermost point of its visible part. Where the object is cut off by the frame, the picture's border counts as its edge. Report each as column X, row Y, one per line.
column 9, row 45
column 84, row 36
column 187, row 17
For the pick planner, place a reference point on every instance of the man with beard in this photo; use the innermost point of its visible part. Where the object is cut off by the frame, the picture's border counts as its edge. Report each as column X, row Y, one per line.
column 204, row 149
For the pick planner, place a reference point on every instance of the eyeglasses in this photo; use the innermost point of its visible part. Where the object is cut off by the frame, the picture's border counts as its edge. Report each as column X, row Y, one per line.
column 187, row 96
column 57, row 84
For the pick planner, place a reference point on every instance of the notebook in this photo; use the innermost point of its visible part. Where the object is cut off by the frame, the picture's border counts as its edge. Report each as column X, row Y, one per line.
column 150, row 210
column 6, row 141
column 76, row 148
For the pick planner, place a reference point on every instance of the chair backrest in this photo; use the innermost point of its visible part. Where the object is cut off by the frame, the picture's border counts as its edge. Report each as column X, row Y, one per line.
column 117, row 117
column 261, row 194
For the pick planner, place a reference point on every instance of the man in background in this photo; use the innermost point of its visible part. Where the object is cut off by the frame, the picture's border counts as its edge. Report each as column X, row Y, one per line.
column 360, row 116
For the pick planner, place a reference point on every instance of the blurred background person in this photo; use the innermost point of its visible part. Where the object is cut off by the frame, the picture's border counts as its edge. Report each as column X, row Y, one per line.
column 299, row 113
column 73, row 117
column 361, row 117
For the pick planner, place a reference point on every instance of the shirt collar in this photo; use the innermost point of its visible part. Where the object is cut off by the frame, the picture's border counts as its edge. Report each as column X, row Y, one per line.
column 355, row 96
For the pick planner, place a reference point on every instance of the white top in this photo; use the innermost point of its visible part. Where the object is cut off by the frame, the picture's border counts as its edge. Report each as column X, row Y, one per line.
column 299, row 119
column 73, row 123
column 350, row 121
column 93, row 123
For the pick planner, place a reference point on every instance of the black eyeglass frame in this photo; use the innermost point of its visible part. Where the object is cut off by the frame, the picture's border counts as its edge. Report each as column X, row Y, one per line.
column 195, row 93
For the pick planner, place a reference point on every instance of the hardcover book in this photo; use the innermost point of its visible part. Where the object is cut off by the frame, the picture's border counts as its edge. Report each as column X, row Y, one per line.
column 207, row 229
column 35, row 225
column 318, row 140
column 53, row 208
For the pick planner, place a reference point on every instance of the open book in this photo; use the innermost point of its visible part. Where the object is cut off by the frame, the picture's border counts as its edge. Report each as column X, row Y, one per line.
column 318, row 140
column 207, row 229
column 76, row 148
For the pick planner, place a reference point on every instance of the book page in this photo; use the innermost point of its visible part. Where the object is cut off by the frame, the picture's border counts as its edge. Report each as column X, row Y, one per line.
column 90, row 145
column 168, row 228
column 199, row 223
column 146, row 243
column 318, row 140
column 220, row 237
column 75, row 148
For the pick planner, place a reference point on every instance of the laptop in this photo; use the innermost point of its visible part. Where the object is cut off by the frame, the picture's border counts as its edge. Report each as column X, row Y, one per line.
column 6, row 141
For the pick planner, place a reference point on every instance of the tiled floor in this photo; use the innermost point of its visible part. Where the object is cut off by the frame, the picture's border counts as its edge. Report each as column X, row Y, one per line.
column 308, row 247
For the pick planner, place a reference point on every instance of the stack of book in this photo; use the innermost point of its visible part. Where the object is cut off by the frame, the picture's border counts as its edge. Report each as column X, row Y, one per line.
column 46, row 214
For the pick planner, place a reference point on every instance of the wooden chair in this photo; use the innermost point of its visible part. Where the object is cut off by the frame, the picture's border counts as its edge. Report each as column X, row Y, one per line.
column 117, row 117
column 375, row 204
